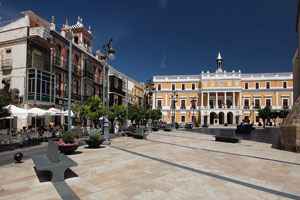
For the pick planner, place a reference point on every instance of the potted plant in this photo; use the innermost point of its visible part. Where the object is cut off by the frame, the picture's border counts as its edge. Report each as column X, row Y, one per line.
column 94, row 140
column 130, row 130
column 176, row 125
column 67, row 144
column 155, row 127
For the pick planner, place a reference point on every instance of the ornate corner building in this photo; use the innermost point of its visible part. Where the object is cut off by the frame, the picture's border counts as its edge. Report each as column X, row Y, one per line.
column 221, row 97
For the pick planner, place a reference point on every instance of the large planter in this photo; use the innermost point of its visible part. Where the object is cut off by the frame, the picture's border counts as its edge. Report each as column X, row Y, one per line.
column 68, row 149
column 94, row 143
column 155, row 128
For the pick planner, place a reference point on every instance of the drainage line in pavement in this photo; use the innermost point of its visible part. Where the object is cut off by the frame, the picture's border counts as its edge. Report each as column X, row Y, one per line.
column 249, row 185
column 234, row 154
column 65, row 192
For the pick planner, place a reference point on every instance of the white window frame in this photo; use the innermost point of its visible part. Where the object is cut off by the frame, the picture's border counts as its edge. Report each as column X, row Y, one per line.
column 288, row 101
column 205, row 84
column 159, row 86
column 258, row 85
column 194, row 86
column 268, row 98
column 248, row 101
column 229, row 83
column 181, row 118
column 212, row 83
column 183, row 84
column 247, row 85
column 269, row 85
column 174, row 86
column 283, row 84
column 161, row 102
column 236, row 83
column 255, row 100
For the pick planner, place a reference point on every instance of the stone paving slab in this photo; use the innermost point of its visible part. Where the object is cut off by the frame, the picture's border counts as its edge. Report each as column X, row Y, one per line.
column 169, row 165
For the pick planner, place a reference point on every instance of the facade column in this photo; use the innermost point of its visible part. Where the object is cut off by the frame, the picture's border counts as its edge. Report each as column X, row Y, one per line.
column 207, row 103
column 216, row 99
column 292, row 98
column 276, row 100
column 201, row 100
column 233, row 100
column 240, row 94
column 225, row 100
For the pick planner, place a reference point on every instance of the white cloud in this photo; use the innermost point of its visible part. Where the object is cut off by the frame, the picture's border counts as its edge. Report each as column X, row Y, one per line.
column 163, row 4
column 163, row 61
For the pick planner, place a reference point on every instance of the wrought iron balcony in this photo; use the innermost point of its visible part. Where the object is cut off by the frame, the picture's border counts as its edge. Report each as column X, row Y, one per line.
column 172, row 107
column 257, row 107
column 159, row 107
column 117, row 90
column 285, row 107
column 88, row 74
column 182, row 107
column 246, row 107
column 76, row 97
column 269, row 106
column 211, row 106
column 193, row 107
column 6, row 64
column 220, row 106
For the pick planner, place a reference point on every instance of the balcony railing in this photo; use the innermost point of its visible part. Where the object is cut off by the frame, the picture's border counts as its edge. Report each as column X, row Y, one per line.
column 159, row 107
column 172, row 107
column 76, row 97
column 88, row 74
column 285, row 107
column 211, row 106
column 59, row 62
column 182, row 107
column 117, row 90
column 269, row 106
column 246, row 107
column 6, row 64
column 193, row 107
column 41, row 32
column 257, row 107
column 219, row 106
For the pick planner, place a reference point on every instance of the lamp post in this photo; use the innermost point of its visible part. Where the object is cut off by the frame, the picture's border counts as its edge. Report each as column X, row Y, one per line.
column 70, row 81
column 108, row 53
column 151, row 88
column 193, row 107
column 173, row 98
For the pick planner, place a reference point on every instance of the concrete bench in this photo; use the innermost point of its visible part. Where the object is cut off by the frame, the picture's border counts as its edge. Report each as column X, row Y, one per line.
column 140, row 134
column 227, row 137
column 56, row 163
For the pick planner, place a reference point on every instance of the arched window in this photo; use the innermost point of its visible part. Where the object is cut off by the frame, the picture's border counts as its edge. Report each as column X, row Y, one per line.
column 57, row 55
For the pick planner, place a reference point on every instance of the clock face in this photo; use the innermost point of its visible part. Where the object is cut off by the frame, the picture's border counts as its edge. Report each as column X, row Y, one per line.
column 221, row 84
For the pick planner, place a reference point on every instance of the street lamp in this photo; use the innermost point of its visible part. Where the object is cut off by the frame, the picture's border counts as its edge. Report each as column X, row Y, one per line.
column 151, row 88
column 173, row 98
column 108, row 54
column 193, row 107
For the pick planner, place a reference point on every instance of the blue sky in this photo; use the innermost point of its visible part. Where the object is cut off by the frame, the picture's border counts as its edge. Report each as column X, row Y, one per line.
column 167, row 37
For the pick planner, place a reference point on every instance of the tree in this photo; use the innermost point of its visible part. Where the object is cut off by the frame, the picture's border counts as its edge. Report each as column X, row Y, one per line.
column 117, row 112
column 274, row 115
column 156, row 114
column 136, row 114
column 80, row 112
column 264, row 114
column 4, row 101
column 95, row 109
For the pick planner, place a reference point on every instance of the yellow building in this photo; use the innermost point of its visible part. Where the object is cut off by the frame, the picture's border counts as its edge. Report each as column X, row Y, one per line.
column 222, row 97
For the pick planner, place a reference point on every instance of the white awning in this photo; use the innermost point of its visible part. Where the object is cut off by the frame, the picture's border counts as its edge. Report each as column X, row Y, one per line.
column 37, row 112
column 17, row 112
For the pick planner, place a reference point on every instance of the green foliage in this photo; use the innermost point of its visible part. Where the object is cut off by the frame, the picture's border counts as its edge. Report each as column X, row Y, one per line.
column 95, row 134
column 4, row 101
column 264, row 114
column 130, row 128
column 283, row 113
column 68, row 137
column 117, row 112
column 155, row 125
column 274, row 115
column 156, row 114
column 136, row 114
column 95, row 109
column 80, row 111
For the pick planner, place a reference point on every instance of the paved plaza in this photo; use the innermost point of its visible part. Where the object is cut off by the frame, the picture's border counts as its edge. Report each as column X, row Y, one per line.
column 169, row 165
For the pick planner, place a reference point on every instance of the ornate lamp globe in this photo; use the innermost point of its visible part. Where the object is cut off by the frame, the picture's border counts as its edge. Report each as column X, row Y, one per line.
column 111, row 56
